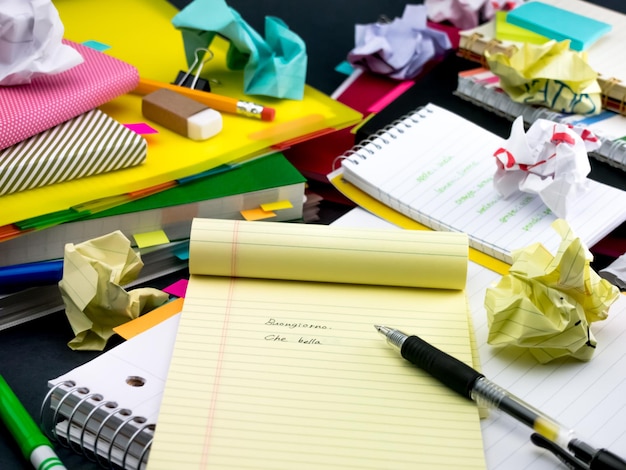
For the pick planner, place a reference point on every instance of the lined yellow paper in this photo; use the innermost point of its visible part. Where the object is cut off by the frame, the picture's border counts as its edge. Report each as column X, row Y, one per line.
column 287, row 374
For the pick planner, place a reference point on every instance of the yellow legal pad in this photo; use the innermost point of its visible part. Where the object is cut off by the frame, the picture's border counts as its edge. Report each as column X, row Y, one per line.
column 278, row 365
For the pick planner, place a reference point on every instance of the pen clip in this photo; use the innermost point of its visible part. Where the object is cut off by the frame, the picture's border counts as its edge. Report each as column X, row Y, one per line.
column 559, row 452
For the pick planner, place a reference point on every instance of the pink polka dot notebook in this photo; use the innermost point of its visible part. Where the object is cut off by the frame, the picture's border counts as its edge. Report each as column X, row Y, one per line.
column 26, row 110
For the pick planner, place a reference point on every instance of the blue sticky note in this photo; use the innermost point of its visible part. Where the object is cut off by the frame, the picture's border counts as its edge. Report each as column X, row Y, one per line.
column 558, row 24
column 99, row 46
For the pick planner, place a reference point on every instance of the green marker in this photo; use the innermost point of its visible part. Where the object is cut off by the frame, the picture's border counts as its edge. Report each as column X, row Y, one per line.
column 34, row 444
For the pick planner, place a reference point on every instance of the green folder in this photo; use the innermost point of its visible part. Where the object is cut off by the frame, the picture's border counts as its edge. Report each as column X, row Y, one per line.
column 266, row 172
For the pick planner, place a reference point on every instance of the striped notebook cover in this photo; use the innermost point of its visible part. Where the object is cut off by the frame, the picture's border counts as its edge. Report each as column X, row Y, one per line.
column 26, row 110
column 88, row 144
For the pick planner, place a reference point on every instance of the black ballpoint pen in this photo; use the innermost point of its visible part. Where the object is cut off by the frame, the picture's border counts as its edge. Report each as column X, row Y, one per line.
column 473, row 385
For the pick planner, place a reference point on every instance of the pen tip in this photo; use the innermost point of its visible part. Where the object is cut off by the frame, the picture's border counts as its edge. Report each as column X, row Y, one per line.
column 378, row 327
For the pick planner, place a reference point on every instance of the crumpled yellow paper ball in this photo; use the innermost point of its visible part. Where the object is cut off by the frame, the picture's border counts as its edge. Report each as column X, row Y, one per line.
column 547, row 302
column 549, row 75
column 95, row 301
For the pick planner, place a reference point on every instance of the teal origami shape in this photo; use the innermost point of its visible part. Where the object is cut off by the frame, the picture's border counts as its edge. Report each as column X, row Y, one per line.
column 274, row 66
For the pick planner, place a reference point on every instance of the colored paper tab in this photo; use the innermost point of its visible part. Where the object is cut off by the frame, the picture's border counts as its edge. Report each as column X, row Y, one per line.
column 148, row 320
column 144, row 240
column 276, row 206
column 141, row 128
column 177, row 289
column 257, row 214
column 98, row 46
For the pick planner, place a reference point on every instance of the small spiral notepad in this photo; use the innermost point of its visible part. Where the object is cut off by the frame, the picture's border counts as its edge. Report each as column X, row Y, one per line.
column 437, row 168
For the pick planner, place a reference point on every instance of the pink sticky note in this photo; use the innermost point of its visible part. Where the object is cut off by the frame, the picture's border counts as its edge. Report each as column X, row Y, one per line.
column 141, row 128
column 178, row 289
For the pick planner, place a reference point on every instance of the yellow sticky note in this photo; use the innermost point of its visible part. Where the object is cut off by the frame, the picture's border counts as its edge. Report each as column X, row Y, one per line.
column 144, row 240
column 276, row 206
column 257, row 214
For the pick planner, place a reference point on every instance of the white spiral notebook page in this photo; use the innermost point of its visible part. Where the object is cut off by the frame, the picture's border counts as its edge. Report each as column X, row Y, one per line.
column 437, row 168
column 287, row 374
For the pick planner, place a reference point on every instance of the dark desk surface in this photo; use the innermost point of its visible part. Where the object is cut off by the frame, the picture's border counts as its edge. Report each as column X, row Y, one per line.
column 35, row 352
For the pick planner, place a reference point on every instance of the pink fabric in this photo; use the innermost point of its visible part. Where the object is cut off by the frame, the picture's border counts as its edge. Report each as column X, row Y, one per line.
column 26, row 110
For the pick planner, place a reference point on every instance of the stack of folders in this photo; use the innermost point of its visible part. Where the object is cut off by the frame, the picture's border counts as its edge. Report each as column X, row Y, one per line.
column 267, row 187
column 235, row 174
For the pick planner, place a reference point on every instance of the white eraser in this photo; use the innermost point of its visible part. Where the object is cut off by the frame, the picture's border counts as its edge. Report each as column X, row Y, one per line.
column 181, row 114
column 204, row 124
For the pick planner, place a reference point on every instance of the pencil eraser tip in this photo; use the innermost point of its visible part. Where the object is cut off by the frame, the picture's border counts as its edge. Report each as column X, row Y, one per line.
column 268, row 114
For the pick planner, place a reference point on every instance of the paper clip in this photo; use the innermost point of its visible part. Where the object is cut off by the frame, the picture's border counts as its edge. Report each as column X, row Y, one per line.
column 196, row 82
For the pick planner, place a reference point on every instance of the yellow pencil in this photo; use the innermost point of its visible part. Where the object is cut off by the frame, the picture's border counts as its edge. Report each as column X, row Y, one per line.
column 218, row 102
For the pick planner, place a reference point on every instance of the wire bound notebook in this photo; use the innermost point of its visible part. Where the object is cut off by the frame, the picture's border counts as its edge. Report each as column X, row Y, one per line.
column 602, row 55
column 437, row 168
column 106, row 409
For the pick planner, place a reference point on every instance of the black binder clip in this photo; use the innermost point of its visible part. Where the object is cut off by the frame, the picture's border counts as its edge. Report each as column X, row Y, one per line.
column 189, row 79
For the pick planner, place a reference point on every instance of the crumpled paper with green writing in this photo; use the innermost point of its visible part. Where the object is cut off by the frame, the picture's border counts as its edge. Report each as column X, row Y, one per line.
column 95, row 301
column 546, row 303
column 549, row 75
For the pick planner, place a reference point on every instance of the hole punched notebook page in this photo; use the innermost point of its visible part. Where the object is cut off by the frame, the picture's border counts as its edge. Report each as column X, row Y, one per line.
column 277, row 363
column 437, row 168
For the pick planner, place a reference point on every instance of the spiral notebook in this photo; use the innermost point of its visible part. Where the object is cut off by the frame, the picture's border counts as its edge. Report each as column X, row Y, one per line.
column 481, row 87
column 282, row 368
column 118, row 390
column 437, row 168
column 473, row 43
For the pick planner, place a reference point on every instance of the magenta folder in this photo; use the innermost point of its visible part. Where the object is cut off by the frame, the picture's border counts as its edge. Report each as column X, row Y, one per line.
column 26, row 110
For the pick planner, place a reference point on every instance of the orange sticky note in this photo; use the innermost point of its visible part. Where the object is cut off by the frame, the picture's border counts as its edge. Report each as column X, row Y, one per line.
column 257, row 214
column 154, row 317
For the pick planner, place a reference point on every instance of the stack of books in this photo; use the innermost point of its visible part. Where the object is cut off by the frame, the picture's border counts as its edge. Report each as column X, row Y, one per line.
column 236, row 174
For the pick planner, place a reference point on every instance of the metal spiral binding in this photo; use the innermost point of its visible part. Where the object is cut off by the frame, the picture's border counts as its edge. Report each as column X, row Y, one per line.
column 116, row 433
column 122, row 411
column 114, row 406
column 73, row 413
column 382, row 137
column 86, row 395
column 46, row 400
column 131, row 440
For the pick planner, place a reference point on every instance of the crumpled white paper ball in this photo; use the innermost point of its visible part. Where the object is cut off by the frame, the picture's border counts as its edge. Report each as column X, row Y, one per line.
column 31, row 32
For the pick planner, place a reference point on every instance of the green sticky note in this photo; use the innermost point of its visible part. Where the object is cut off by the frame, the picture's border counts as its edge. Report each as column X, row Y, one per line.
column 506, row 31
